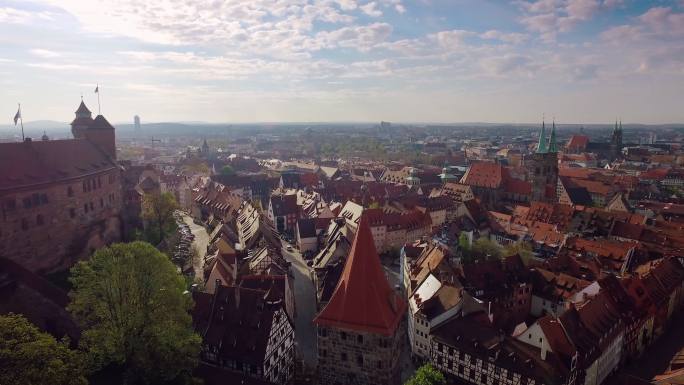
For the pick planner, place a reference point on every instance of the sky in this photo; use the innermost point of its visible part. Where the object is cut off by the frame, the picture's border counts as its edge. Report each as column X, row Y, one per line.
column 580, row 61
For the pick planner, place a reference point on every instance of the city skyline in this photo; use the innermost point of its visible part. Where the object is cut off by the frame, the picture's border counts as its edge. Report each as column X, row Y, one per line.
column 326, row 61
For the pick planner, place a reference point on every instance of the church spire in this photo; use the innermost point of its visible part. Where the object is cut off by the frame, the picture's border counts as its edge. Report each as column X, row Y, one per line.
column 541, row 146
column 553, row 147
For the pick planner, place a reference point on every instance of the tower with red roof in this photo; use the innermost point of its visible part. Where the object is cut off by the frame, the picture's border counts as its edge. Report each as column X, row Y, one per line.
column 360, row 330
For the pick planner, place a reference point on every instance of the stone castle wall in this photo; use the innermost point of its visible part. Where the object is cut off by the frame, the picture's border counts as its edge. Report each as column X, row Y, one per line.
column 49, row 227
column 347, row 357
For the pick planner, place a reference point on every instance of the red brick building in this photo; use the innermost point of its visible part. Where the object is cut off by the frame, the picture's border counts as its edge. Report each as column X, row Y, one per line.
column 60, row 199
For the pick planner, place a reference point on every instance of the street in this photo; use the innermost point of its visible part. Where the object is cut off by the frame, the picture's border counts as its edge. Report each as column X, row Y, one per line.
column 305, row 300
column 199, row 243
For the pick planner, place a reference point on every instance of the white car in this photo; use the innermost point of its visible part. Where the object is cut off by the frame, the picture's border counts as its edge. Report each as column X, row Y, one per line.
column 289, row 248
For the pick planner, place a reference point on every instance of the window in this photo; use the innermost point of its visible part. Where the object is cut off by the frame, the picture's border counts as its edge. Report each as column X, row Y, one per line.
column 359, row 360
column 85, row 208
column 43, row 199
column 91, row 206
column 72, row 213
column 343, row 356
column 24, row 224
column 343, row 336
column 70, row 191
column 9, row 204
column 27, row 202
column 84, row 186
column 39, row 220
column 99, row 182
column 324, row 353
column 359, row 339
column 101, row 203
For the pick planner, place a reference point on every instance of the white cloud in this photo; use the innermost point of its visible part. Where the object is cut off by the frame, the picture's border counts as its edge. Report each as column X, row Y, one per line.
column 19, row 16
column 44, row 53
column 371, row 9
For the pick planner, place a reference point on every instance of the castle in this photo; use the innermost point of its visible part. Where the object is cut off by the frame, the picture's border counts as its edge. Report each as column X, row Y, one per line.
column 60, row 199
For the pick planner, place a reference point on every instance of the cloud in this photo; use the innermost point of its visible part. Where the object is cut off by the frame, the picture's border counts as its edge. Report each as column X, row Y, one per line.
column 550, row 17
column 452, row 39
column 508, row 64
column 371, row 9
column 362, row 37
column 513, row 37
column 44, row 53
column 19, row 16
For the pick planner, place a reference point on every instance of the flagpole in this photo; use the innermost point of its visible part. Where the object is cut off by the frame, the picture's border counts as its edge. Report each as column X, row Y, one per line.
column 21, row 119
column 99, row 112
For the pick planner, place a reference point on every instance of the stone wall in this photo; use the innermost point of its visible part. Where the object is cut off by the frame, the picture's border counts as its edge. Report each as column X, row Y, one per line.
column 48, row 228
column 347, row 357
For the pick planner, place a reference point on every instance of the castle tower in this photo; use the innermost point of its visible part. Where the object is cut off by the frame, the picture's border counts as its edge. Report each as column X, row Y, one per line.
column 360, row 331
column 98, row 131
column 542, row 167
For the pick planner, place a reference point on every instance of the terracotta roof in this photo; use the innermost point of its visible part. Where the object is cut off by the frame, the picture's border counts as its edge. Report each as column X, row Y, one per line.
column 485, row 174
column 34, row 163
column 363, row 299
column 578, row 142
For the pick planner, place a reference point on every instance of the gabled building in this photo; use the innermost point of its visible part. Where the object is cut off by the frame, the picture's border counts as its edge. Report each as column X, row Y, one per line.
column 246, row 332
column 360, row 329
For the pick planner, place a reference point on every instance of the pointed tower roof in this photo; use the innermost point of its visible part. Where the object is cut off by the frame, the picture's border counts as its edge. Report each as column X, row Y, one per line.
column 82, row 109
column 363, row 299
column 615, row 129
column 553, row 147
column 541, row 146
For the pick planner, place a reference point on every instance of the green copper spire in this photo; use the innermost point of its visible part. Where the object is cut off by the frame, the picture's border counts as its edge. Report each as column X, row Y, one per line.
column 541, row 146
column 552, row 140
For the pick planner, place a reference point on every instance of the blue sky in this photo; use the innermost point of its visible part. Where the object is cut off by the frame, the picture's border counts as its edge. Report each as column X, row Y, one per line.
column 582, row 61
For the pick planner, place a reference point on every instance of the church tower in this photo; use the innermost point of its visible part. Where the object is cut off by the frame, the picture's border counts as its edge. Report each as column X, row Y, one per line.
column 98, row 131
column 542, row 167
column 616, row 141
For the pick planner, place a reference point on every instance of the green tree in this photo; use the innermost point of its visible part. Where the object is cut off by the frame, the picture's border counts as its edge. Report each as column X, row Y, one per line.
column 427, row 375
column 29, row 356
column 134, row 310
column 484, row 246
column 227, row 170
column 522, row 248
column 158, row 214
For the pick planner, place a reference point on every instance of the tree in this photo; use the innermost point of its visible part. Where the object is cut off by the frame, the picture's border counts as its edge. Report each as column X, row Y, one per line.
column 522, row 248
column 29, row 356
column 227, row 170
column 484, row 247
column 134, row 310
column 427, row 375
column 158, row 214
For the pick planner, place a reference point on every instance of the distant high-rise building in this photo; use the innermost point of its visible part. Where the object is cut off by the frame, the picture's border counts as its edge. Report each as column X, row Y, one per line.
column 136, row 123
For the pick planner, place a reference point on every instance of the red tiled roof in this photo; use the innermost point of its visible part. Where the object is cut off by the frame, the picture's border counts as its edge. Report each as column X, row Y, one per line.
column 363, row 299
column 38, row 162
column 485, row 174
column 578, row 142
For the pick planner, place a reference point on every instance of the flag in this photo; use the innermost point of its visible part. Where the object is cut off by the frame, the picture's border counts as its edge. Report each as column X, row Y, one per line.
column 17, row 116
column 97, row 89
